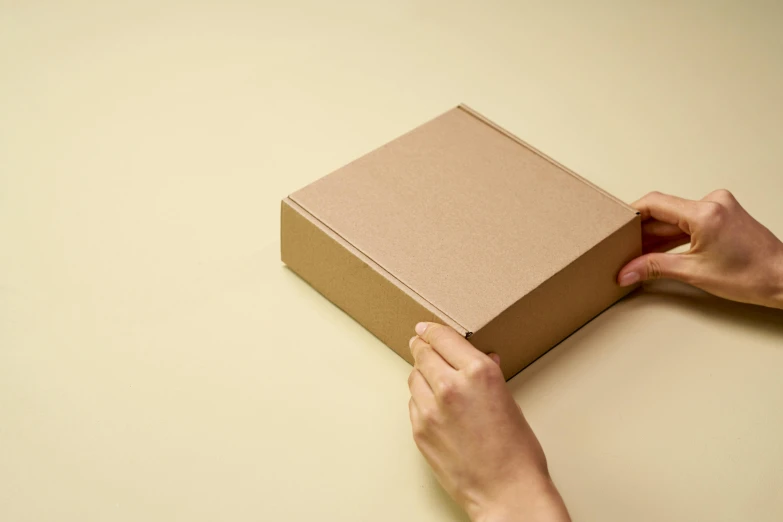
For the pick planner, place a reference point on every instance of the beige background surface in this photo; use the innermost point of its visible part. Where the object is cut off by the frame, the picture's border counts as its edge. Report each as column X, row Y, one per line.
column 157, row 362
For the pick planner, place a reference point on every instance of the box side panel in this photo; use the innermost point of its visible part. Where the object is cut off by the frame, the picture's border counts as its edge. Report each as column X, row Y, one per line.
column 563, row 304
column 352, row 281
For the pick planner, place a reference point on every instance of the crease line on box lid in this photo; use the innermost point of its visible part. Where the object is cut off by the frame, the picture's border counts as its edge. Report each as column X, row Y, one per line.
column 543, row 156
column 466, row 332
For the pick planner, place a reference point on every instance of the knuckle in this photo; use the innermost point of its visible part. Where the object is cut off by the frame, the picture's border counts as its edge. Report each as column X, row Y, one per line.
column 712, row 213
column 722, row 195
column 652, row 197
column 654, row 270
column 416, row 344
column 419, row 434
column 649, row 199
column 419, row 424
column 423, row 353
column 419, row 431
column 411, row 377
column 435, row 333
column 429, row 417
column 418, row 348
column 482, row 370
column 476, row 369
column 448, row 390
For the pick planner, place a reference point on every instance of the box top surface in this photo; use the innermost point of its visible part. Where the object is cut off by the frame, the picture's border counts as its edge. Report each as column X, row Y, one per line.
column 464, row 214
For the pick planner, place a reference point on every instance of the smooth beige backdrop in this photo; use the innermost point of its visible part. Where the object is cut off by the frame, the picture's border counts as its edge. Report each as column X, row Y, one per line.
column 158, row 363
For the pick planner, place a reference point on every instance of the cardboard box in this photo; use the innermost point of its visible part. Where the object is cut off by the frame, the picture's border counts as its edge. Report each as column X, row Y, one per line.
column 462, row 223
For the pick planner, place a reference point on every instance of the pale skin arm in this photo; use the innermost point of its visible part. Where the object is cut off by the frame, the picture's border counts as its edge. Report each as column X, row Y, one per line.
column 464, row 419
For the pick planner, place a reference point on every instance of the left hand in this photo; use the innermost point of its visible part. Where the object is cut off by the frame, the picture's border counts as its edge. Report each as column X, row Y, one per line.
column 472, row 433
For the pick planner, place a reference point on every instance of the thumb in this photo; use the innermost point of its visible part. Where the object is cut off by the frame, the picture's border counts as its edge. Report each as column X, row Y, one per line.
column 654, row 266
column 495, row 358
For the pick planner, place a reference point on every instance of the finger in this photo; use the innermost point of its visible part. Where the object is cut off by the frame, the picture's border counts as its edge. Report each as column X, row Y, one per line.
column 664, row 244
column 429, row 362
column 455, row 349
column 495, row 358
column 669, row 209
column 656, row 266
column 655, row 243
column 653, row 227
column 413, row 413
column 420, row 390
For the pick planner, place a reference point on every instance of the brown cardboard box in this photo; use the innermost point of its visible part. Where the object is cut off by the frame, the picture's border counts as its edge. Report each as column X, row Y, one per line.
column 462, row 223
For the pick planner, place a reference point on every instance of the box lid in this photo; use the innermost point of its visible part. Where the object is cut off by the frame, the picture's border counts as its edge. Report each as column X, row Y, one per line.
column 464, row 214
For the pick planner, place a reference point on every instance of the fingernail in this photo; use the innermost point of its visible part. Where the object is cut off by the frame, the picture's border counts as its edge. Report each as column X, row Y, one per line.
column 410, row 343
column 421, row 328
column 629, row 279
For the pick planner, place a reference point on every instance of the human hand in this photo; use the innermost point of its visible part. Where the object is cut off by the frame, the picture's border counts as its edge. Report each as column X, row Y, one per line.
column 472, row 433
column 731, row 255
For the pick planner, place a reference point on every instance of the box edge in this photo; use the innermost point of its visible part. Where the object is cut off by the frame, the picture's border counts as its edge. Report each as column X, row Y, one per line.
column 634, row 222
column 534, row 150
column 372, row 264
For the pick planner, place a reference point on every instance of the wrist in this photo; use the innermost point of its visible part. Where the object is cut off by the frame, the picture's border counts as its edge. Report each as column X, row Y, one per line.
column 777, row 280
column 534, row 500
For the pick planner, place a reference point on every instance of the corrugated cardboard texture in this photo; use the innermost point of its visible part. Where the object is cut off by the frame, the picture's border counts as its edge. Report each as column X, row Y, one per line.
column 561, row 305
column 351, row 281
column 470, row 219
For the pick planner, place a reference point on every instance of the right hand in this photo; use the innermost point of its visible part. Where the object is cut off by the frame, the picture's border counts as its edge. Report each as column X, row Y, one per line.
column 731, row 255
column 472, row 433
